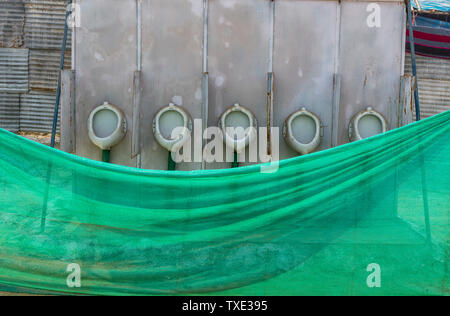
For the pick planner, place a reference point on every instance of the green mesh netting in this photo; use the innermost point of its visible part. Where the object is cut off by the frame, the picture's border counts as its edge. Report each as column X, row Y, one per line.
column 312, row 227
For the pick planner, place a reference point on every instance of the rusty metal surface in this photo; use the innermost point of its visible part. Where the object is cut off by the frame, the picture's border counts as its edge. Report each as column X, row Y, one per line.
column 36, row 111
column 44, row 69
column 68, row 139
column 36, row 26
column 406, row 101
column 434, row 84
column 12, row 19
column 44, row 24
column 13, row 70
column 9, row 111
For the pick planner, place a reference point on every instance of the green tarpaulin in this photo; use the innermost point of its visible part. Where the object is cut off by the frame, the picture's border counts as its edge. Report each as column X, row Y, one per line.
column 367, row 218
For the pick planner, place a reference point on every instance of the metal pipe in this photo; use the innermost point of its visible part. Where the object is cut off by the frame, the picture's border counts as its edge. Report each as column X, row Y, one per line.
column 270, row 79
column 72, row 62
column 172, row 166
column 139, row 34
column 205, row 34
column 61, row 67
column 337, row 79
column 413, row 60
column 235, row 163
column 272, row 35
column 106, row 154
column 419, row 7
column 137, row 86
column 205, row 75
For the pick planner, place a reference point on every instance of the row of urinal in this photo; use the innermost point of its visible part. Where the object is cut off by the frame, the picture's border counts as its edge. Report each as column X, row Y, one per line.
column 301, row 131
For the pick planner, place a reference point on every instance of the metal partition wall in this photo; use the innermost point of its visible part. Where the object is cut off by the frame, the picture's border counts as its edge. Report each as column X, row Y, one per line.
column 172, row 41
column 239, row 42
column 335, row 58
column 304, row 73
column 105, row 62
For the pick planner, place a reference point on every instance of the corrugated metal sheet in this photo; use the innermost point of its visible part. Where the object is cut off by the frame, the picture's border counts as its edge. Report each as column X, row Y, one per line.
column 434, row 96
column 44, row 24
column 429, row 68
column 44, row 69
column 9, row 111
column 37, row 25
column 12, row 19
column 36, row 112
column 13, row 70
column 434, row 84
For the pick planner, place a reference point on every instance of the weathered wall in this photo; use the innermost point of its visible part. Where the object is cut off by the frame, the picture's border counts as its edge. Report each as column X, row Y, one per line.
column 31, row 33
column 309, row 47
column 171, row 68
column 105, row 59
column 434, row 84
column 371, row 62
column 305, row 63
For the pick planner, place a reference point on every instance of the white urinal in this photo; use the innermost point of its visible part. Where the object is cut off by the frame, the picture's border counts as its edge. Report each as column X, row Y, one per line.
column 235, row 117
column 166, row 121
column 302, row 131
column 366, row 124
column 107, row 126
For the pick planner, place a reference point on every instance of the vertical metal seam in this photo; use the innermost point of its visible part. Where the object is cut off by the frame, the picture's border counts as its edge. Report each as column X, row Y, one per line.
column 137, row 85
column 205, row 75
column 61, row 67
column 139, row 34
column 205, row 34
column 336, row 79
column 413, row 60
column 272, row 34
column 73, row 65
column 270, row 78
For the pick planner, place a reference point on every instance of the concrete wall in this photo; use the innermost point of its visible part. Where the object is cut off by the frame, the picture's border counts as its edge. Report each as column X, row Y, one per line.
column 310, row 46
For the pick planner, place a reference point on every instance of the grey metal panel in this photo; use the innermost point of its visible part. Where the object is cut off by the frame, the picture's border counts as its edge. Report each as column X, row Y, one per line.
column 106, row 62
column 239, row 48
column 370, row 63
column 172, row 68
column 239, row 33
column 12, row 19
column 304, row 63
column 67, row 111
column 44, row 69
column 406, row 106
column 36, row 112
column 9, row 111
column 13, row 70
column 44, row 24
column 434, row 84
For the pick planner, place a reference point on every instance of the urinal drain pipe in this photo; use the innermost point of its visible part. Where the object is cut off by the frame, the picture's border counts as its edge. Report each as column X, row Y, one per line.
column 171, row 164
column 106, row 155
column 61, row 67
column 235, row 163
